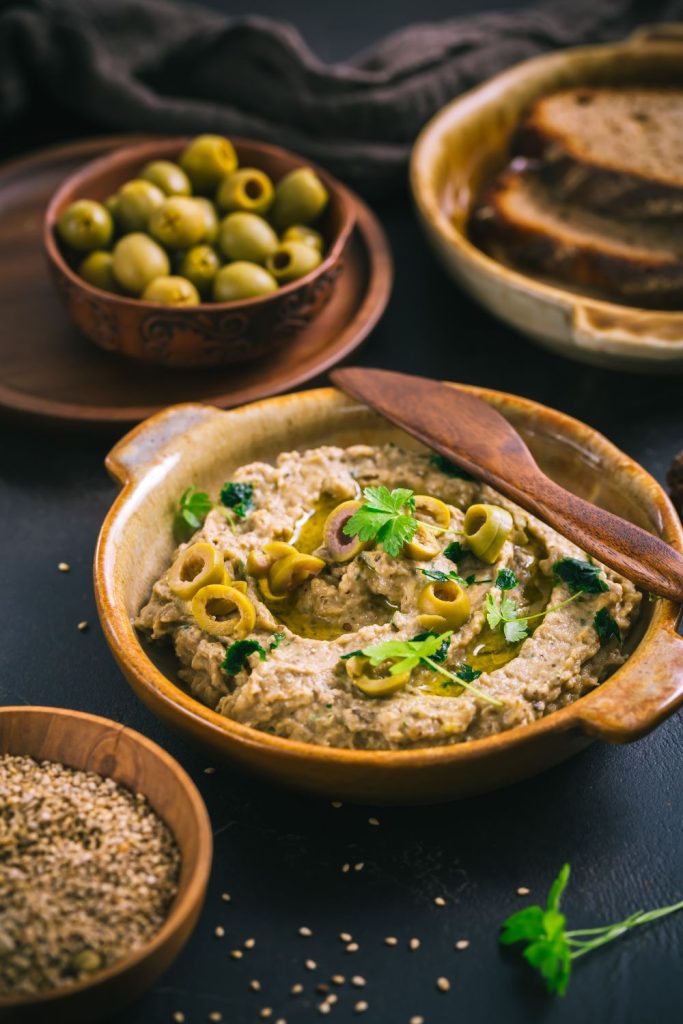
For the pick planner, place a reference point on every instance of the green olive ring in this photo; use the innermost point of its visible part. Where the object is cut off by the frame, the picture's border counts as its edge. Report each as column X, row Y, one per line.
column 213, row 607
column 485, row 530
column 288, row 573
column 197, row 566
column 247, row 189
column 446, row 600
column 369, row 681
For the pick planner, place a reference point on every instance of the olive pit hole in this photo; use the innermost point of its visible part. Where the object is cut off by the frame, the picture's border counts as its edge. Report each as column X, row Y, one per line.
column 253, row 188
column 281, row 260
column 220, row 609
column 191, row 568
column 475, row 522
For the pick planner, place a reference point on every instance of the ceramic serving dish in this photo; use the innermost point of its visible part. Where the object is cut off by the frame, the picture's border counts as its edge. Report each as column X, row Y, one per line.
column 201, row 445
column 90, row 743
column 467, row 142
column 209, row 334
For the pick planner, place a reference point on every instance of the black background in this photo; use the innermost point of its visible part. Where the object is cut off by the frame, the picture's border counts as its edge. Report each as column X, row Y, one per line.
column 615, row 813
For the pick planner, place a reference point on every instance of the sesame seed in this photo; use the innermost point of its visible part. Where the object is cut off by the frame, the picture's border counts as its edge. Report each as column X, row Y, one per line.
column 322, row 988
column 345, row 936
column 358, row 981
column 338, row 979
column 209, row 771
column 281, row 1020
column 324, row 1007
column 440, row 901
column 297, row 989
column 346, row 867
column 266, row 1012
column 306, row 932
column 310, row 965
column 391, row 940
column 83, row 626
column 332, row 998
column 249, row 943
column 417, row 1020
column 414, row 944
column 215, row 1016
column 64, row 567
column 226, row 897
column 337, row 804
column 523, row 891
column 373, row 821
column 236, row 954
column 361, row 1006
column 443, row 984
column 352, row 947
column 359, row 866
column 179, row 1017
column 255, row 985
column 462, row 943
column 219, row 932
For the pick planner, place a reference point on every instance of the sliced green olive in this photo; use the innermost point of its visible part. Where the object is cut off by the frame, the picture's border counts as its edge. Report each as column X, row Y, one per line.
column 341, row 547
column 223, row 611
column 424, row 545
column 486, row 528
column 290, row 572
column 447, row 600
column 371, row 681
column 432, row 509
column 260, row 560
column 194, row 568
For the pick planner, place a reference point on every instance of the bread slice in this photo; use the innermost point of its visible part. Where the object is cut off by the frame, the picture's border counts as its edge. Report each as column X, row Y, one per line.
column 521, row 222
column 619, row 150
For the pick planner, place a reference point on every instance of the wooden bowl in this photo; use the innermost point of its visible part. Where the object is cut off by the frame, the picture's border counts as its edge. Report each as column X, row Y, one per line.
column 212, row 333
column 202, row 445
column 96, row 744
column 467, row 142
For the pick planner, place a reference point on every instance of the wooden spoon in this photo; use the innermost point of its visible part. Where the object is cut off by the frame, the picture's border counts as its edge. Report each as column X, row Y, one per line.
column 474, row 435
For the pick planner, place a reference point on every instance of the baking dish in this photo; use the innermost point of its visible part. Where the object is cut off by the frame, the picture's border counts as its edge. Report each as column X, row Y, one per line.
column 467, row 142
column 201, row 445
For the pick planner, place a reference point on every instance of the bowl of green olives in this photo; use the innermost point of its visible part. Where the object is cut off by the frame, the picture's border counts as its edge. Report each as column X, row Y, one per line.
column 197, row 252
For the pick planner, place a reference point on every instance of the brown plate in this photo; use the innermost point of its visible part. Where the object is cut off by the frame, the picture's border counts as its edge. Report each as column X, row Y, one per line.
column 49, row 372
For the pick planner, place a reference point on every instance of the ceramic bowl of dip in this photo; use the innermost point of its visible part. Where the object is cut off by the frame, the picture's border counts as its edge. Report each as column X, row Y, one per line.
column 202, row 445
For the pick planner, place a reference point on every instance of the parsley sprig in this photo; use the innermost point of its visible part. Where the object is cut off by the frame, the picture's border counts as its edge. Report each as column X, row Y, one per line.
column 428, row 649
column 550, row 948
column 239, row 497
column 237, row 654
column 444, row 577
column 386, row 517
column 193, row 508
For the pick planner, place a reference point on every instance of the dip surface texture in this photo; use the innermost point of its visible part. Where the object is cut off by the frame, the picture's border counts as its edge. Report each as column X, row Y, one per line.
column 301, row 687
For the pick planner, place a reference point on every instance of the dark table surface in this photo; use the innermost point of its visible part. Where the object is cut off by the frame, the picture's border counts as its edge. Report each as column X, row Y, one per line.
column 615, row 813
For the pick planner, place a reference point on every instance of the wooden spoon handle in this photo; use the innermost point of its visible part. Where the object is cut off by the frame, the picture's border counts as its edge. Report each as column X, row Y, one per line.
column 624, row 547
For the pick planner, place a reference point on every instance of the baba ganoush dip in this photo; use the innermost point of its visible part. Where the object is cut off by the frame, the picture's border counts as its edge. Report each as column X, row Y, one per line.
column 378, row 598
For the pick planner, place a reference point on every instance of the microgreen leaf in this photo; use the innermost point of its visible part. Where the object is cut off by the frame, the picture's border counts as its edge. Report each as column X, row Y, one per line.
column 383, row 518
column 506, row 611
column 276, row 640
column 444, row 577
column 193, row 508
column 449, row 468
column 454, row 551
column 581, row 577
column 237, row 654
column 239, row 497
column 606, row 627
column 506, row 579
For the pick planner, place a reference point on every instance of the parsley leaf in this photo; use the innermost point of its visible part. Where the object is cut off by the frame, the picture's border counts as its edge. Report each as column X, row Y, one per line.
column 516, row 630
column 193, row 508
column 606, row 627
column 454, row 551
column 506, row 579
column 239, row 497
column 237, row 654
column 276, row 641
column 449, row 468
column 382, row 518
column 466, row 673
column 581, row 577
column 442, row 652
column 444, row 577
column 506, row 611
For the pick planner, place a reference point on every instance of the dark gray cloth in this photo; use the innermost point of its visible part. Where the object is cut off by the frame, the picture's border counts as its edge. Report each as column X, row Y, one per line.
column 157, row 66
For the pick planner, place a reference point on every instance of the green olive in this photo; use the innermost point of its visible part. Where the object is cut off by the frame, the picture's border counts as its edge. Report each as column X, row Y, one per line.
column 171, row 291
column 200, row 266
column 197, row 566
column 374, row 682
column 300, row 197
column 246, row 236
column 288, row 573
column 486, row 528
column 341, row 547
column 207, row 160
column 247, row 189
column 302, row 233
column 210, row 219
column 178, row 223
column 242, row 280
column 85, row 225
column 167, row 176
column 97, row 269
column 137, row 261
column 136, row 201
column 112, row 204
column 291, row 260
column 447, row 601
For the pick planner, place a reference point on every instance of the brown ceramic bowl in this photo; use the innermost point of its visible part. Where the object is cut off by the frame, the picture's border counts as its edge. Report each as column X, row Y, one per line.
column 96, row 744
column 212, row 333
column 201, row 445
column 467, row 143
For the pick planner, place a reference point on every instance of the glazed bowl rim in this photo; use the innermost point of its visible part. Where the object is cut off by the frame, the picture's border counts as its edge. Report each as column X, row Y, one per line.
column 159, row 147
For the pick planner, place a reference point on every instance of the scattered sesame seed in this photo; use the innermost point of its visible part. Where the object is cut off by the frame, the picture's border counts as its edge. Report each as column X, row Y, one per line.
column 64, row 567
column 281, row 1020
column 324, row 1007
column 332, row 998
column 462, row 943
column 361, row 1006
column 236, row 954
column 391, row 940
column 322, row 988
column 440, row 901
column 358, row 981
column 297, row 989
column 226, row 897
column 346, row 867
column 306, row 932
column 310, row 965
column 338, row 979
column 359, row 866
column 417, row 1020
column 179, row 1017
column 255, row 985
column 414, row 944
column 215, row 1016
column 209, row 771
column 266, row 1012
column 345, row 936
column 219, row 932
column 83, row 626
column 373, row 821
column 249, row 943
column 523, row 891
column 337, row 804
column 352, row 947
column 443, row 984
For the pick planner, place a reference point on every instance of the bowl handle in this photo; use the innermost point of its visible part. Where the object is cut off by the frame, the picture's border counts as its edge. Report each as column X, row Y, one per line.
column 666, row 32
column 628, row 332
column 650, row 689
column 145, row 444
